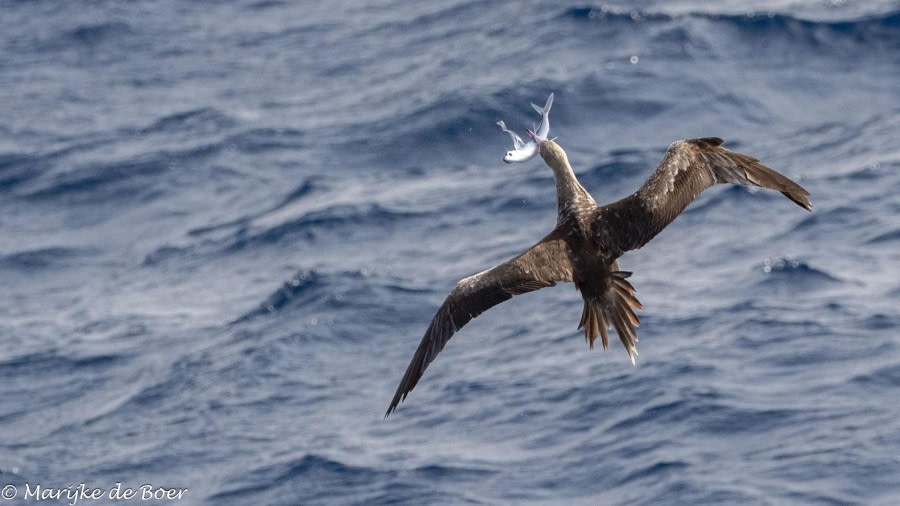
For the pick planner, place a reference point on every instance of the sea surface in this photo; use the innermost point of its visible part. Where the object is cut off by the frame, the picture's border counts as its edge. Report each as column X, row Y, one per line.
column 225, row 227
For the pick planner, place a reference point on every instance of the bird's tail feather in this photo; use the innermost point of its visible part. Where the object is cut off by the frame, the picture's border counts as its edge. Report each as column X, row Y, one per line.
column 615, row 309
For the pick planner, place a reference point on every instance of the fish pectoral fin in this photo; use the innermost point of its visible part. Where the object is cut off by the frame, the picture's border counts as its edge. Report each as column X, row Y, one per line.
column 517, row 141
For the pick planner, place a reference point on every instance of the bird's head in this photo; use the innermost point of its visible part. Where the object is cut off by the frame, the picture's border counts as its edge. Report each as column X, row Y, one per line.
column 550, row 151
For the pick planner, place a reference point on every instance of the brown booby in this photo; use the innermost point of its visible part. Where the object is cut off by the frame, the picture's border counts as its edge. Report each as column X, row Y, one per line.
column 588, row 240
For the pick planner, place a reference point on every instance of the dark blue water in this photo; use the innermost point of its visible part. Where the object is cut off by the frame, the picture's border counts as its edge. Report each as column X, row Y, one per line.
column 225, row 226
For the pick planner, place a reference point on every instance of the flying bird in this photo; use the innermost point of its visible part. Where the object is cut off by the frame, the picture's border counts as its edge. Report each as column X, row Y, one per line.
column 588, row 240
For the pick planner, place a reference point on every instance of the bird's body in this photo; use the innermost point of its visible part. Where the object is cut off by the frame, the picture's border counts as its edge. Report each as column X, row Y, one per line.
column 587, row 241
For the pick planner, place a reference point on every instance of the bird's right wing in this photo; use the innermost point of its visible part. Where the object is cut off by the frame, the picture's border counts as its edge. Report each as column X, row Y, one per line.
column 687, row 168
column 540, row 266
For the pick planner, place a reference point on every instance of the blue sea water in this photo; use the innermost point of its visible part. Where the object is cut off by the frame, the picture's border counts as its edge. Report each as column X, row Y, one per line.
column 225, row 226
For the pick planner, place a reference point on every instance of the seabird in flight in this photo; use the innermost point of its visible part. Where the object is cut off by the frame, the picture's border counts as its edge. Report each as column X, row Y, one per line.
column 588, row 240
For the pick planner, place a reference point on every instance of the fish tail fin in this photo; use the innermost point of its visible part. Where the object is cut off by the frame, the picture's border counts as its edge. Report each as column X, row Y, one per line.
column 615, row 309
column 546, row 108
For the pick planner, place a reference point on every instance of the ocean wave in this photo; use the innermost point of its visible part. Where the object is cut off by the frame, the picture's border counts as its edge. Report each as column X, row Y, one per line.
column 885, row 237
column 61, row 362
column 193, row 121
column 452, row 123
column 847, row 220
column 752, row 20
column 293, row 36
column 44, row 258
column 264, row 139
column 336, row 479
column 656, row 471
column 317, row 225
column 306, row 188
column 303, row 288
column 710, row 417
column 118, row 181
column 310, row 290
column 321, row 474
column 94, row 42
column 793, row 273
column 610, row 14
column 623, row 166
column 880, row 321
column 674, row 37
column 884, row 377
column 18, row 168
column 93, row 34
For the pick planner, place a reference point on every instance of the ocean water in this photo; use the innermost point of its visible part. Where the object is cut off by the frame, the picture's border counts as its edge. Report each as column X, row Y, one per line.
column 225, row 226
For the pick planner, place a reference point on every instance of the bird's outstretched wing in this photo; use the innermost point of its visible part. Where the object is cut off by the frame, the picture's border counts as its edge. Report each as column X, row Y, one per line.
column 688, row 168
column 540, row 266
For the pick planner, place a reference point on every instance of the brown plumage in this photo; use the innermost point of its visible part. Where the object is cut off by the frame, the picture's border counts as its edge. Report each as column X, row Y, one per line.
column 588, row 240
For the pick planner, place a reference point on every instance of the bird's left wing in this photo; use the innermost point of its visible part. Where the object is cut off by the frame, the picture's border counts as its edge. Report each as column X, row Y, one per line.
column 688, row 168
column 540, row 266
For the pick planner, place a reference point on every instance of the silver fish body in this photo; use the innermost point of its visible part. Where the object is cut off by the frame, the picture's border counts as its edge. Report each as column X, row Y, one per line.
column 523, row 151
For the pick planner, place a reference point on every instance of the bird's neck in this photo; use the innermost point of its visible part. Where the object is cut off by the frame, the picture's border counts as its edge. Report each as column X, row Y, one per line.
column 571, row 197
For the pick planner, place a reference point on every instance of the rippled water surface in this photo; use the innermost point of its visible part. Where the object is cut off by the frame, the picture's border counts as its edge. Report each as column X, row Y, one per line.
column 224, row 227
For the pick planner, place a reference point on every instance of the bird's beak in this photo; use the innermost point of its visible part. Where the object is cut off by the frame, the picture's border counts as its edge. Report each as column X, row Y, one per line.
column 535, row 137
